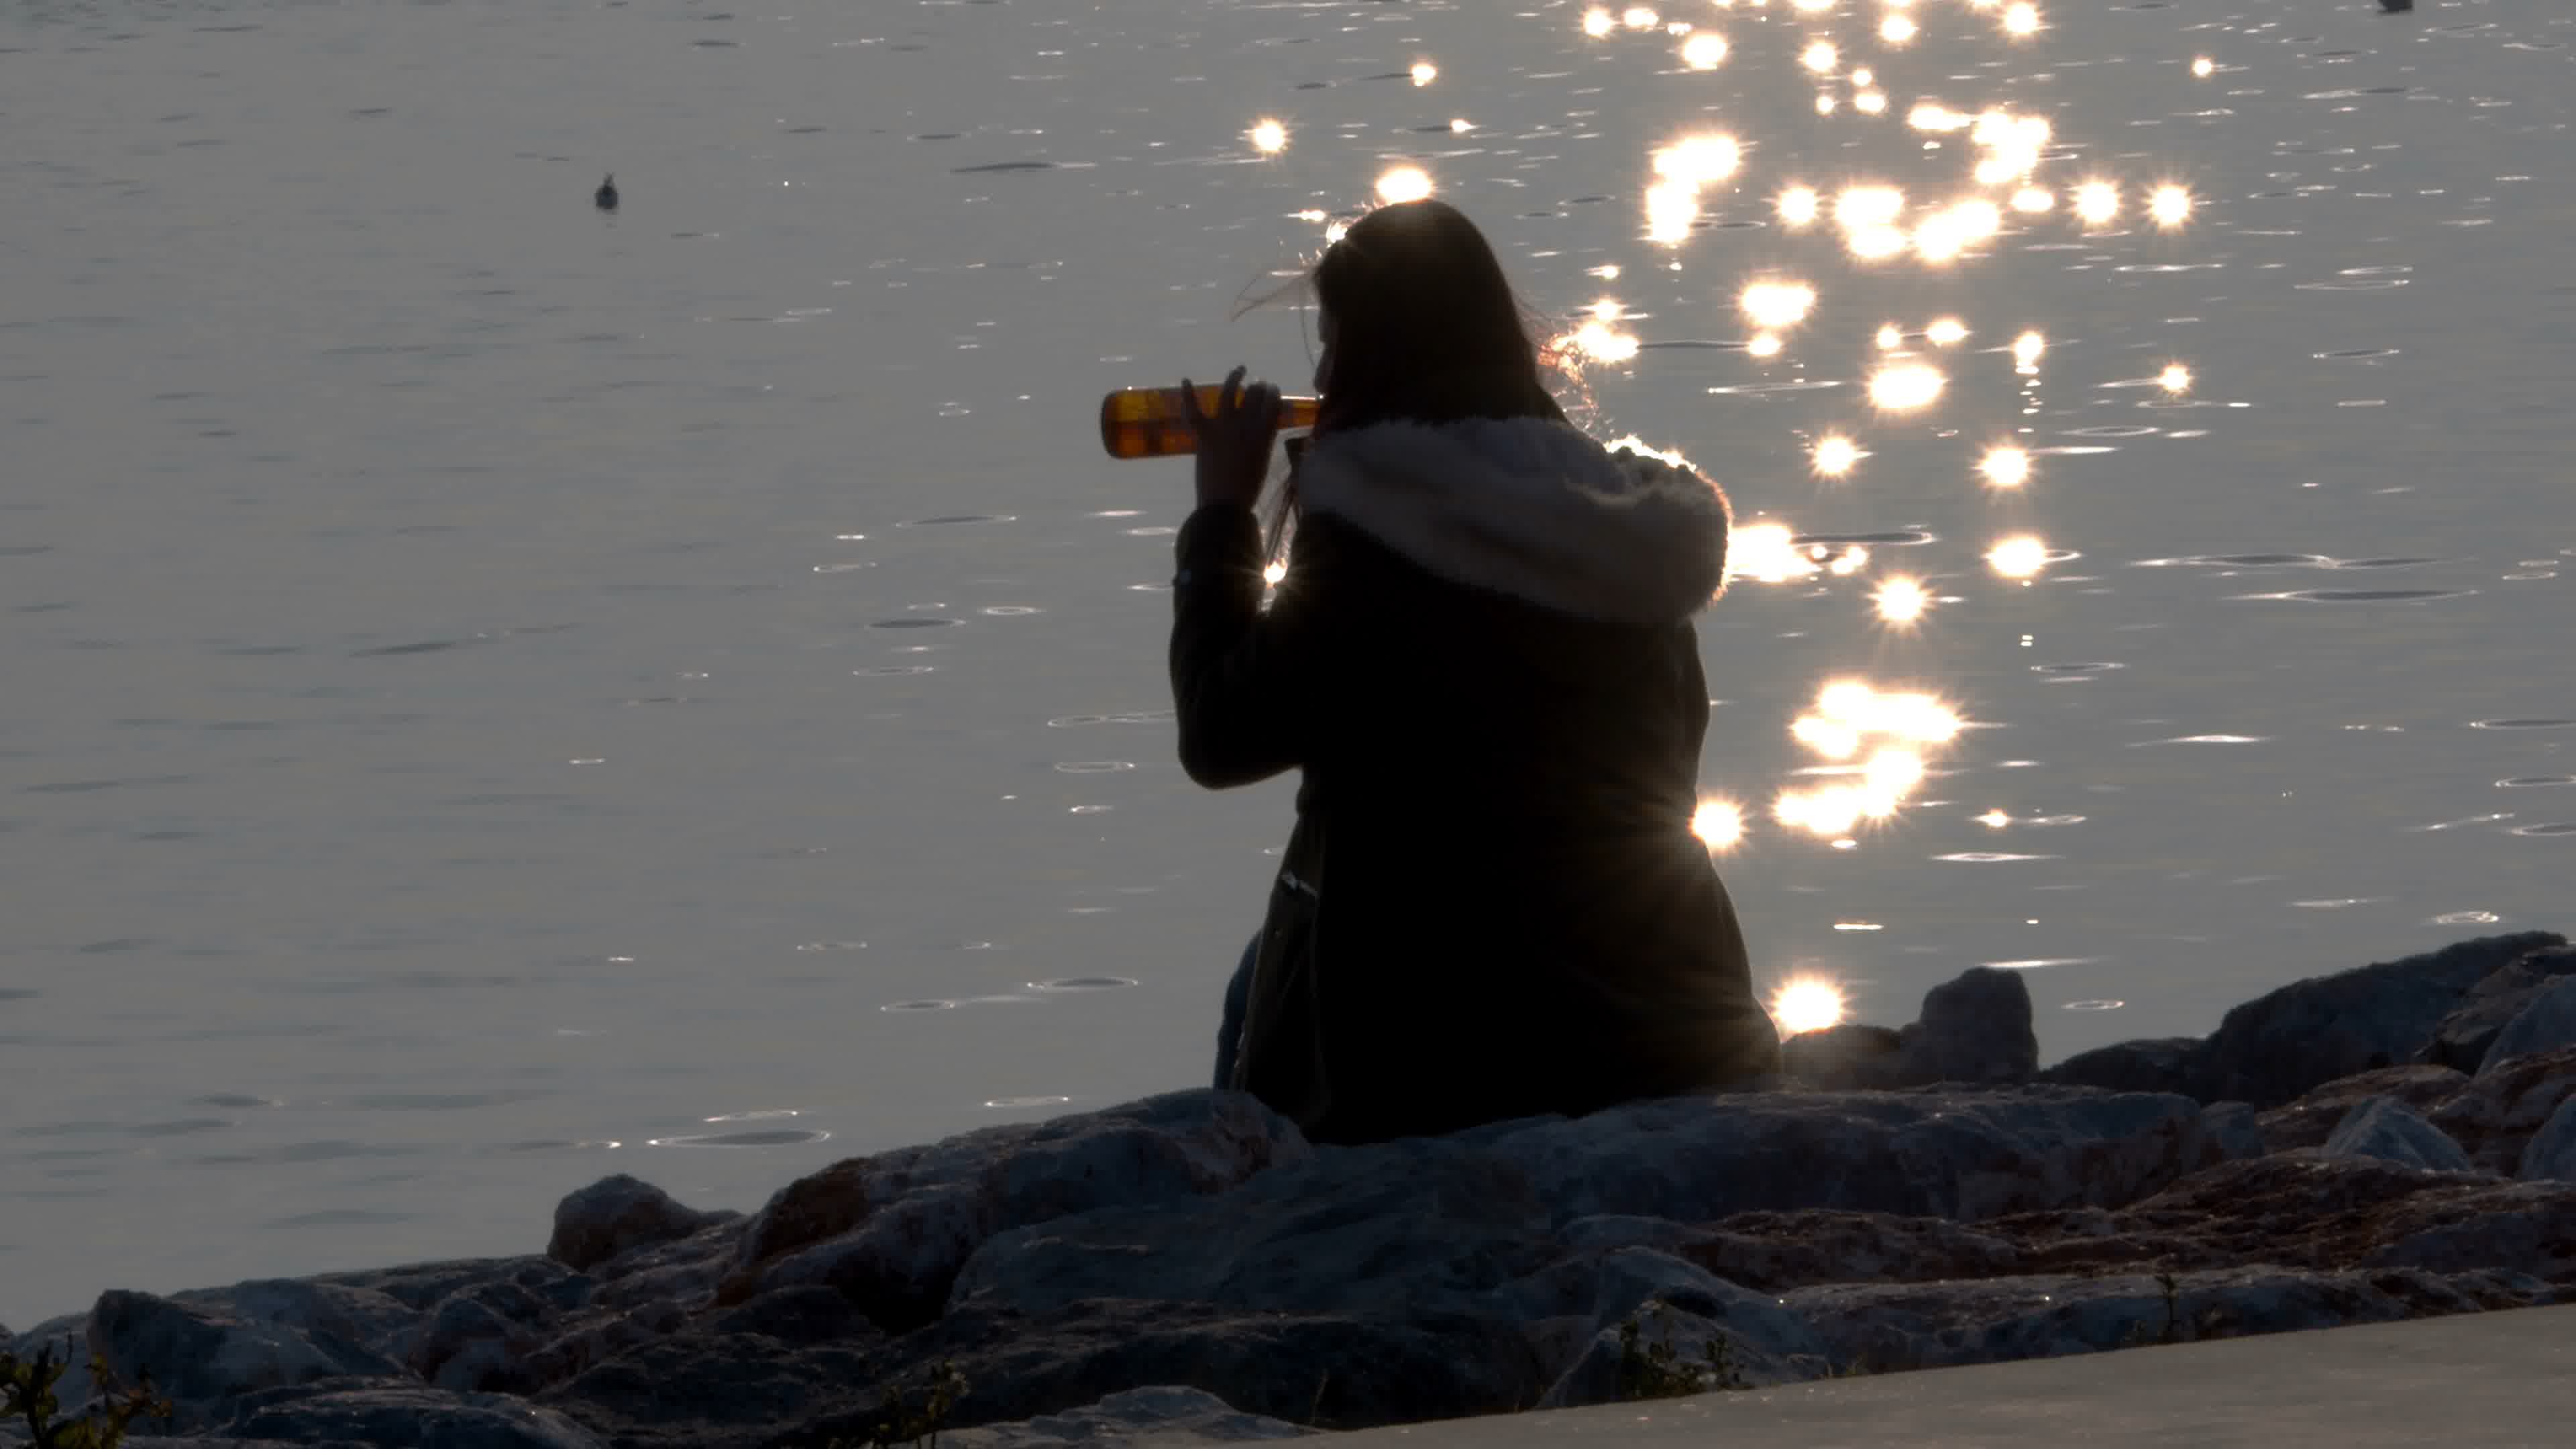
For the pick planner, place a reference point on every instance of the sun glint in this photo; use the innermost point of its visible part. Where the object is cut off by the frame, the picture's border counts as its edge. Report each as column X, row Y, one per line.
column 1806, row 1004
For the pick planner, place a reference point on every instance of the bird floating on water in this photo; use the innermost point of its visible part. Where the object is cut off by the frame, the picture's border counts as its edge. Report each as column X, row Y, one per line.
column 2396, row 5
column 605, row 198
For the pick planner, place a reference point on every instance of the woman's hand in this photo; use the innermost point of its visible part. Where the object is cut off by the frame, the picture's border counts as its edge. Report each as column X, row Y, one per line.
column 1234, row 445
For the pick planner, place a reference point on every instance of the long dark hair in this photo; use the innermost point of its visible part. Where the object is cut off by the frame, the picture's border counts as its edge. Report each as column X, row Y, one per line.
column 1426, row 328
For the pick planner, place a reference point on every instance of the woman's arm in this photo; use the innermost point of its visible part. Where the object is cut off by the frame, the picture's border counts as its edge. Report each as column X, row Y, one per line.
column 1247, row 684
column 1694, row 689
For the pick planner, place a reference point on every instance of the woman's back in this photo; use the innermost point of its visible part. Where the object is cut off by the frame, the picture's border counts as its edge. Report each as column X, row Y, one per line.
column 1500, row 750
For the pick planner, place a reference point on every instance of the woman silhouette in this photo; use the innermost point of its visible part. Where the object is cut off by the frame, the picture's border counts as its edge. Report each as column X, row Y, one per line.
column 1481, row 661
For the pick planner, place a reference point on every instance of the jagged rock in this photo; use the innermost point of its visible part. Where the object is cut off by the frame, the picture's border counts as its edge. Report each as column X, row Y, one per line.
column 2462, row 1038
column 2302, row 1210
column 579, row 1342
column 2546, row 1023
column 697, row 1389
column 1329, row 1370
column 421, row 1286
column 1195, row 1242
column 2310, row 1120
column 1974, row 1028
column 68, row 1336
column 2494, row 1113
column 1842, row 1058
column 1774, row 1251
column 2292, row 1210
column 796, row 1316
column 1171, row 1414
column 2236, row 1128
column 2272, row 1049
column 617, row 1213
column 1428, row 1222
column 400, row 1416
column 1940, row 1152
column 205, row 1358
column 476, row 1336
column 2550, row 1155
column 683, row 1270
column 891, row 1230
column 2154, row 1064
column 1702, row 1353
column 1887, row 1327
column 2391, row 1131
column 1361, row 1230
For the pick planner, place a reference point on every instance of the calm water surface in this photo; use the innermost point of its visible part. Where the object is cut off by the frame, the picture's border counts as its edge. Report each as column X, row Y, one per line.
column 502, row 694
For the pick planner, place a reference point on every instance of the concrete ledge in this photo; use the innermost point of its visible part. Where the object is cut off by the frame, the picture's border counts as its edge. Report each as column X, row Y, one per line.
column 2470, row 1381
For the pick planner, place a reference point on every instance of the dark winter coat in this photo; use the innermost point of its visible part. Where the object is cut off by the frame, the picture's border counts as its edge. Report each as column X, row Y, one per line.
column 1481, row 660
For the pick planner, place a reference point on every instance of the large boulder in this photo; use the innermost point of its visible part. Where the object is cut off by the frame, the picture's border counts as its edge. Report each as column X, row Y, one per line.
column 2294, row 1209
column 1432, row 1222
column 2546, row 1023
column 403, row 1416
column 2462, row 1038
column 619, row 1213
column 2389, row 1130
column 1974, row 1028
column 2495, row 1113
column 891, row 1230
column 2272, row 1049
column 1949, row 1152
column 1887, row 1327
column 205, row 1358
column 2313, row 1118
column 2550, row 1155
column 1843, row 1057
column 1420, row 1223
column 2154, row 1064
column 1325, row 1370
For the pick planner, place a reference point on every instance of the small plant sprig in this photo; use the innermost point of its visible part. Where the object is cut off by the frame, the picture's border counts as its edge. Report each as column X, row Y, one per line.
column 1657, row 1372
column 27, row 1392
column 899, row 1425
column 2138, row 1337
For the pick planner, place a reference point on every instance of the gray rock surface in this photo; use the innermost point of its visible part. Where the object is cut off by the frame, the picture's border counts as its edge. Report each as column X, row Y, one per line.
column 2310, row 1120
column 2546, row 1023
column 2494, row 1113
column 1942, row 1152
column 1170, row 1414
column 2156, row 1064
column 616, row 1214
column 1840, row 1058
column 2287, row 1042
column 1974, row 1028
column 1890, row 1327
column 1188, row 1267
column 1327, row 1370
column 205, row 1357
column 2389, row 1130
column 399, row 1416
column 891, row 1230
column 2550, row 1155
column 2462, row 1038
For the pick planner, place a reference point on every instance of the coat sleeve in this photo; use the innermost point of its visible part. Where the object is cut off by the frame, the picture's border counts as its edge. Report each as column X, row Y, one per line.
column 1694, row 689
column 1247, row 683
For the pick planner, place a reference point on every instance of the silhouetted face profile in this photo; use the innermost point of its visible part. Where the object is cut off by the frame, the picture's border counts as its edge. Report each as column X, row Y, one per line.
column 1420, row 324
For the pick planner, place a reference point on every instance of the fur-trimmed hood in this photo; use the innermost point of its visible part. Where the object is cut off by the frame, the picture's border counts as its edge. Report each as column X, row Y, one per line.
column 1533, row 508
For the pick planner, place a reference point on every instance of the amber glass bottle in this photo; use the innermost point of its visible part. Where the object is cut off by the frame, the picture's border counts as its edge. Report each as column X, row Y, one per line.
column 1147, row 422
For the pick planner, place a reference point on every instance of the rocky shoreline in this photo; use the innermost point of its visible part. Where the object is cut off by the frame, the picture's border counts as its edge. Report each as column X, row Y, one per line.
column 2389, row 1142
